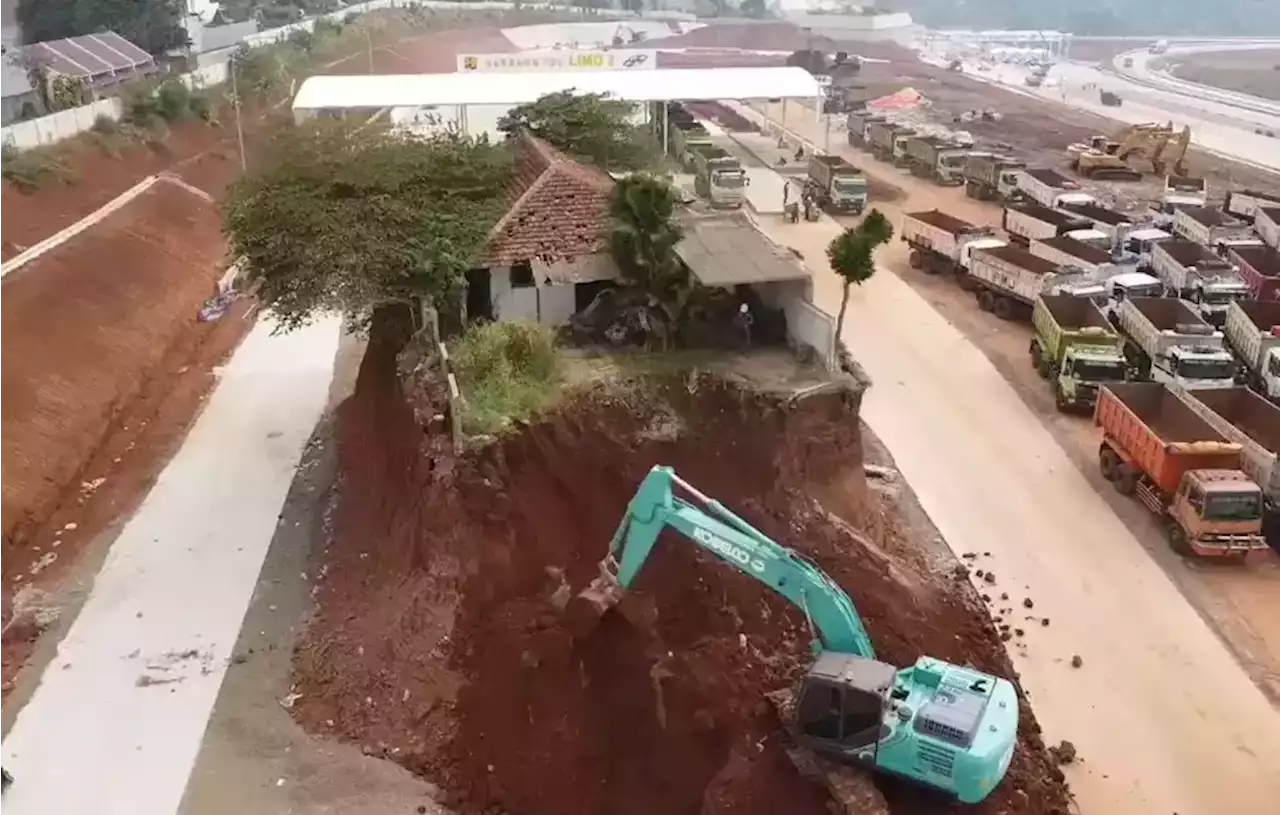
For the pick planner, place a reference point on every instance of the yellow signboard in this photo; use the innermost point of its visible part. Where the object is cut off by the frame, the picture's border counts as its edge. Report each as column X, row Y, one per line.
column 529, row 61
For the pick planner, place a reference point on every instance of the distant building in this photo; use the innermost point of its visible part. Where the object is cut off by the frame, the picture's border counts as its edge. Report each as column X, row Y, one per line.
column 102, row 61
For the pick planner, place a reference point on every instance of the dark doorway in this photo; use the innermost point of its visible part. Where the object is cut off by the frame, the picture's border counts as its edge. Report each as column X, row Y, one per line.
column 584, row 294
column 479, row 296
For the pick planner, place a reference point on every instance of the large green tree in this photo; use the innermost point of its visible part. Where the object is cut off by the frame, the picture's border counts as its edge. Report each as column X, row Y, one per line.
column 338, row 217
column 153, row 25
column 852, row 256
column 588, row 126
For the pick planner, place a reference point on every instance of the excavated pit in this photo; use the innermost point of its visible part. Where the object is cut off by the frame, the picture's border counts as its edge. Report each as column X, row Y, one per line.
column 436, row 642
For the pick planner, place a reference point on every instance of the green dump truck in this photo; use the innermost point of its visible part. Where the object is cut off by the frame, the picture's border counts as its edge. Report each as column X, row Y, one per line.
column 718, row 176
column 1076, row 349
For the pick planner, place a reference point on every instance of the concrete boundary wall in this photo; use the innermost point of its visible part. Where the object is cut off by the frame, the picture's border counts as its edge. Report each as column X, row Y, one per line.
column 61, row 125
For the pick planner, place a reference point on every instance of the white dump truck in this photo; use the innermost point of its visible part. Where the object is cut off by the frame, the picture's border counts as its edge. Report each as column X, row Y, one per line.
column 1190, row 271
column 941, row 243
column 836, row 183
column 1166, row 340
column 1026, row 221
column 1009, row 280
column 1244, row 204
column 1050, row 188
column 1267, row 225
column 1211, row 227
column 1253, row 331
column 1140, row 243
column 1115, row 225
column 1068, row 251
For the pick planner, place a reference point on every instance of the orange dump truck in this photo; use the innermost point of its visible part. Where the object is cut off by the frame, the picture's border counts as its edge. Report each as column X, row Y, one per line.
column 1181, row 468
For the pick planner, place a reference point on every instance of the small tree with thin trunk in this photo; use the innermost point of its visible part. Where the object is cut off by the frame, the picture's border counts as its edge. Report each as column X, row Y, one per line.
column 852, row 255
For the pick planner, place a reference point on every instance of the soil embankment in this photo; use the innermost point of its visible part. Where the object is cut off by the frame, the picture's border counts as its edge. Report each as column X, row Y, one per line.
column 84, row 324
column 436, row 642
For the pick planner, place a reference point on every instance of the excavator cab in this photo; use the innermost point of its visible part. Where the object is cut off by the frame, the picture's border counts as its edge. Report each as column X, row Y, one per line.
column 949, row 727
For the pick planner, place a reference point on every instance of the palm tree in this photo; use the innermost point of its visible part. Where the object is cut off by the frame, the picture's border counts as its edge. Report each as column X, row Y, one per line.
column 852, row 256
column 645, row 233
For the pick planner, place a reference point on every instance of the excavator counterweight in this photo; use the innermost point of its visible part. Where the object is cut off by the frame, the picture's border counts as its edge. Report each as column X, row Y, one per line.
column 942, row 725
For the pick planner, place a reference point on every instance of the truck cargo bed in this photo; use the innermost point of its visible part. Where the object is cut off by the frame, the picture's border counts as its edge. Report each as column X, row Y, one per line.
column 1250, row 420
column 1166, row 415
column 1074, row 313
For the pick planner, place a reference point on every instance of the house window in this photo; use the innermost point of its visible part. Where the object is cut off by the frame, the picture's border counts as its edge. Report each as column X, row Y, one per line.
column 522, row 276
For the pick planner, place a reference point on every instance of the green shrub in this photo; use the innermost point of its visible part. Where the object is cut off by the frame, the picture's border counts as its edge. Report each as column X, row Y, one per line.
column 506, row 371
column 105, row 125
column 173, row 101
column 200, row 106
column 28, row 170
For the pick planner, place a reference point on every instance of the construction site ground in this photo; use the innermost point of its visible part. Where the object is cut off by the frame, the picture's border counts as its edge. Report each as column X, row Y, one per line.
column 1254, row 72
column 440, row 646
column 1075, row 538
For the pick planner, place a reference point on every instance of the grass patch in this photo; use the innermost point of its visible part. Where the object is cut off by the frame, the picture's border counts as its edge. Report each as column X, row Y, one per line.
column 506, row 371
column 29, row 169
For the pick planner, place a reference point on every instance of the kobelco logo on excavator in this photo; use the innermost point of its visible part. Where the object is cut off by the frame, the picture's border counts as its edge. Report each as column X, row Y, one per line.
column 730, row 550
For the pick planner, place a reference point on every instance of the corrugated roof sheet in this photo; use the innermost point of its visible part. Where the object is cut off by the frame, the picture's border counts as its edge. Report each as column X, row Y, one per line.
column 727, row 250
column 91, row 55
column 420, row 90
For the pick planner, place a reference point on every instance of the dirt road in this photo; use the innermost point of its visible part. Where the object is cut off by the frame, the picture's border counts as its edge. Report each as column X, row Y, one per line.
column 1164, row 717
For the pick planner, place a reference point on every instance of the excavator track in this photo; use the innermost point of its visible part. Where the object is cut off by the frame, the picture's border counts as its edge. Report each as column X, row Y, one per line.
column 853, row 788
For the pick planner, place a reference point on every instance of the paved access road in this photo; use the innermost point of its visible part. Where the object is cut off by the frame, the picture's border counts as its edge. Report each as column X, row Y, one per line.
column 1164, row 717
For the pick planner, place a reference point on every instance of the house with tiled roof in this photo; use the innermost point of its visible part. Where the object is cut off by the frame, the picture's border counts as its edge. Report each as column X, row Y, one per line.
column 548, row 256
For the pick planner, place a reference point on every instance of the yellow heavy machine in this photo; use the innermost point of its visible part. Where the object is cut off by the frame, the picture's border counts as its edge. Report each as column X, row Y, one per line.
column 1112, row 157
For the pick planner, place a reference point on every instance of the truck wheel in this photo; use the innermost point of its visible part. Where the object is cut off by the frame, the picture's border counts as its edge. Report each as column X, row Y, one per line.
column 1003, row 308
column 986, row 300
column 1034, row 350
column 1060, row 400
column 1107, row 461
column 1125, row 479
column 915, row 259
column 1177, row 538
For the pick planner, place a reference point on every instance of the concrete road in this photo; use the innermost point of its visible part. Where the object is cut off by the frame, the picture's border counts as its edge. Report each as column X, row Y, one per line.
column 1141, row 72
column 119, row 715
column 1164, row 717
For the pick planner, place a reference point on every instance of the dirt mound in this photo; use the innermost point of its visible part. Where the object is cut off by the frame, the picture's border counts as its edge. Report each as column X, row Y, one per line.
column 436, row 642
column 84, row 324
column 30, row 217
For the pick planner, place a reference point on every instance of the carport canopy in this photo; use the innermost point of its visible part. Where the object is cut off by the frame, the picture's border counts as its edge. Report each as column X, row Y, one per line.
column 497, row 88
column 728, row 250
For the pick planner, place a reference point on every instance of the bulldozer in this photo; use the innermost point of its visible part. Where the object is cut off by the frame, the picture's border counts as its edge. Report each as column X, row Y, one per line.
column 943, row 726
column 1110, row 157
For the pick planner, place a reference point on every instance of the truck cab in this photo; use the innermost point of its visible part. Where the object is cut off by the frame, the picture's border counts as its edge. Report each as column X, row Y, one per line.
column 1271, row 375
column 1092, row 237
column 1133, row 284
column 1197, row 367
column 1140, row 242
column 1213, row 296
column 1085, row 369
column 1215, row 512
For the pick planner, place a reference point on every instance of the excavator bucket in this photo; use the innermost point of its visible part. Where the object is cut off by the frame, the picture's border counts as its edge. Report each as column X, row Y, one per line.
column 582, row 611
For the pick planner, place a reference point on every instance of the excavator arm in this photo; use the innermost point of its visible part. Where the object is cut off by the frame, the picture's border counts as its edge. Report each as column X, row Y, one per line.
column 707, row 523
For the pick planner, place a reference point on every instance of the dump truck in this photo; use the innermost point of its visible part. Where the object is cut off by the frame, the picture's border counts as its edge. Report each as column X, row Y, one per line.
column 1008, row 280
column 936, row 158
column 1190, row 271
column 1244, row 204
column 1069, row 252
column 1267, row 225
column 1247, row 419
column 884, row 137
column 1210, row 227
column 942, row 243
column 1260, row 268
column 719, row 176
column 1166, row 340
column 857, row 124
column 1140, row 244
column 1252, row 330
column 1025, row 222
column 835, row 183
column 1115, row 225
column 1075, row 348
column 1181, row 468
column 1050, row 188
column 990, row 176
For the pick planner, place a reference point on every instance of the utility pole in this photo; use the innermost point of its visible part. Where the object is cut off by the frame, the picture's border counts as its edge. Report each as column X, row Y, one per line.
column 368, row 39
column 235, row 98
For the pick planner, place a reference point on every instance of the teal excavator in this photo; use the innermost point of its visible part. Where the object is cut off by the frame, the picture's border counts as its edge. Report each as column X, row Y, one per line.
column 934, row 723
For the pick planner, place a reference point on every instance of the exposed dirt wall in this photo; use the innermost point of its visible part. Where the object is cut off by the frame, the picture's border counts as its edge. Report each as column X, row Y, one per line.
column 84, row 325
column 436, row 643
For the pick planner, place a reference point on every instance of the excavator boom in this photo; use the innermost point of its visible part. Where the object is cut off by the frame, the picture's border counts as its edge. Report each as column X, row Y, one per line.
column 710, row 525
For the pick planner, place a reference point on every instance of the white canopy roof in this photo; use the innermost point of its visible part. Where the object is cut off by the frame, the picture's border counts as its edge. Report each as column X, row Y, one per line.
column 421, row 90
